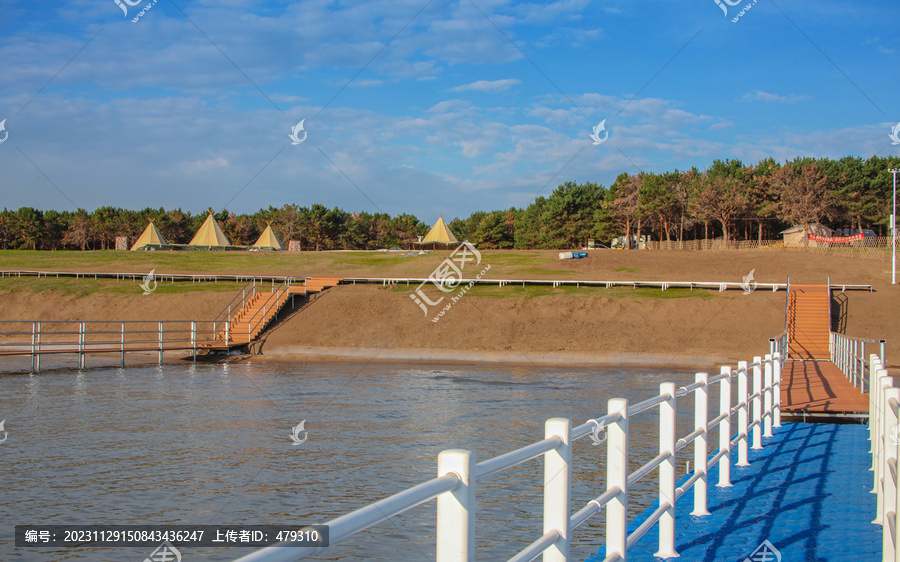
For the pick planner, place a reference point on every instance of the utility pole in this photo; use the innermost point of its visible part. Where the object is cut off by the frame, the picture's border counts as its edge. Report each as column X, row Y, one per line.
column 894, row 230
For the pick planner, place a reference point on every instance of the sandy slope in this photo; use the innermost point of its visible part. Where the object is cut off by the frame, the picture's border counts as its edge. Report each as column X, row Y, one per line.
column 584, row 326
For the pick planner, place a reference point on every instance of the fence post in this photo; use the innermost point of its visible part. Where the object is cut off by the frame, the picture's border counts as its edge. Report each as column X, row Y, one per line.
column 160, row 342
column 557, row 494
column 667, row 472
column 769, row 402
column 33, row 332
column 832, row 347
column 757, row 402
column 725, row 428
column 890, row 484
column 874, row 365
column 701, row 443
column 776, row 380
column 194, row 340
column 743, row 415
column 883, row 438
column 38, row 358
column 862, row 366
column 617, row 479
column 227, row 332
column 122, row 358
column 81, row 338
column 881, row 352
column 456, row 509
column 878, row 441
column 853, row 352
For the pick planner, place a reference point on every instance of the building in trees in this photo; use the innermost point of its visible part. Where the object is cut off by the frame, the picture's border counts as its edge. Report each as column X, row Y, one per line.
column 799, row 235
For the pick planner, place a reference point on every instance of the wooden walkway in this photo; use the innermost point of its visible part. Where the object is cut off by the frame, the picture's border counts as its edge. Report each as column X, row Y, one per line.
column 811, row 385
column 819, row 387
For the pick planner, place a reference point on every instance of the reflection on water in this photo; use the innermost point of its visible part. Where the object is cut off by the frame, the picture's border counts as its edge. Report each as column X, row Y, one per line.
column 210, row 444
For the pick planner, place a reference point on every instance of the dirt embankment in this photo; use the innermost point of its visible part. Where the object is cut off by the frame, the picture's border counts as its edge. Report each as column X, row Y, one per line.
column 368, row 322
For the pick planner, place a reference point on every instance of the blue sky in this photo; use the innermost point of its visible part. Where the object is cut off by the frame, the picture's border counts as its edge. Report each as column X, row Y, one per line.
column 423, row 107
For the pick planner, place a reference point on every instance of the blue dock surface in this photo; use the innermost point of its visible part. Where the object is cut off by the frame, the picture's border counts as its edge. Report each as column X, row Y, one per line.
column 806, row 492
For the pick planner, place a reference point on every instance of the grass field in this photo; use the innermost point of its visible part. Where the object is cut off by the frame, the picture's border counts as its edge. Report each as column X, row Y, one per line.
column 68, row 286
column 298, row 264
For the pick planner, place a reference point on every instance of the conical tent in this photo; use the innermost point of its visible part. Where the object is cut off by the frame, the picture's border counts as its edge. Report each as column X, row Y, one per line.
column 268, row 240
column 440, row 233
column 150, row 237
column 210, row 234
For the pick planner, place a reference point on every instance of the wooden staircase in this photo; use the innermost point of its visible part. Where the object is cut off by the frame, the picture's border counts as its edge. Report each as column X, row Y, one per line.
column 809, row 321
column 262, row 307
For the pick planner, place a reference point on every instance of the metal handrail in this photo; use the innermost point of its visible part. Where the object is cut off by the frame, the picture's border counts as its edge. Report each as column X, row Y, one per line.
column 849, row 355
column 264, row 308
column 242, row 293
column 456, row 520
column 83, row 337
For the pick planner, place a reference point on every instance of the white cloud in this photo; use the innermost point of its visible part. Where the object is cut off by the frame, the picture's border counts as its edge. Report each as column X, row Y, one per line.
column 759, row 95
column 487, row 85
column 199, row 166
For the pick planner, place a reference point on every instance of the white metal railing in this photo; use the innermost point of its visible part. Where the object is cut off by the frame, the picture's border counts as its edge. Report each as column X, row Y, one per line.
column 884, row 408
column 259, row 279
column 160, row 277
column 662, row 285
column 246, row 292
column 261, row 317
column 756, row 406
column 82, row 338
column 849, row 354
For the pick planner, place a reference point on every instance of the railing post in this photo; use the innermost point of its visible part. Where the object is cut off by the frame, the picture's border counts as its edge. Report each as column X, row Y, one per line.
column 776, row 380
column 881, row 352
column 832, row 346
column 227, row 331
column 701, row 443
column 81, row 340
column 874, row 368
column 767, row 395
column 725, row 428
column 456, row 509
column 160, row 343
column 122, row 353
column 890, row 484
column 743, row 415
column 194, row 340
column 878, row 441
column 853, row 366
column 757, row 402
column 617, row 478
column 667, row 472
column 33, row 332
column 862, row 366
column 557, row 483
column 883, row 438
column 37, row 366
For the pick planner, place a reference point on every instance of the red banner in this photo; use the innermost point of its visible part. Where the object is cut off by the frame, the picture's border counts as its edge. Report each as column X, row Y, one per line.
column 836, row 239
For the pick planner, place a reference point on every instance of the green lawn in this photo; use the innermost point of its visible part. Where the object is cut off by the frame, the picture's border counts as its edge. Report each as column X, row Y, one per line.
column 297, row 264
column 83, row 287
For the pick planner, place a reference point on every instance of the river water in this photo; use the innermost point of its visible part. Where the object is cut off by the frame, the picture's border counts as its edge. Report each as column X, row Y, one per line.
column 211, row 444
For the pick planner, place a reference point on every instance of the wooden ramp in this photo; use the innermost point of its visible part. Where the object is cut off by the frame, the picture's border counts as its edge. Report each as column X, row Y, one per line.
column 811, row 385
column 809, row 321
column 819, row 388
column 260, row 309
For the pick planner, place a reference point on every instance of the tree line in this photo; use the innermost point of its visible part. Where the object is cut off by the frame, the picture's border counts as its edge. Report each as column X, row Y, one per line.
column 727, row 200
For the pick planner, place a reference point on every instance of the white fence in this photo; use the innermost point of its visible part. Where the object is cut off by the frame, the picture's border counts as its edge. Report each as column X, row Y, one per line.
column 82, row 338
column 755, row 408
column 849, row 354
column 884, row 408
